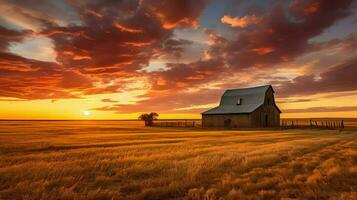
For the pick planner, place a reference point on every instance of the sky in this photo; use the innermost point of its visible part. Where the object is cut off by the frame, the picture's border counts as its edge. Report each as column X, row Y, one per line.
column 101, row 59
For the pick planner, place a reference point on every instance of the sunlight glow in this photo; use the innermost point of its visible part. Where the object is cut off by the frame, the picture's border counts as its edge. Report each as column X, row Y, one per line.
column 87, row 113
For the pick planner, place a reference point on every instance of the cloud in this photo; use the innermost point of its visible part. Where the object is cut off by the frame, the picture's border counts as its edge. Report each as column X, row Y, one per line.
column 32, row 79
column 167, row 102
column 183, row 76
column 34, row 15
column 338, row 79
column 110, row 44
column 8, row 35
column 72, row 79
column 344, row 45
column 109, row 101
column 123, row 41
column 174, row 48
column 241, row 22
column 177, row 13
column 283, row 35
column 293, row 100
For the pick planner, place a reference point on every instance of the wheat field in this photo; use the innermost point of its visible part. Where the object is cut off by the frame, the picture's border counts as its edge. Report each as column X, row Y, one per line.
column 125, row 160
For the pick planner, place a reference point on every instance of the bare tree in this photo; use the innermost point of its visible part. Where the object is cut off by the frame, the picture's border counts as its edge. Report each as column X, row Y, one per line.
column 149, row 118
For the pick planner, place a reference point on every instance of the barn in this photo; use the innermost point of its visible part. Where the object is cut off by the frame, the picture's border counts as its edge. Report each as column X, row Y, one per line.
column 244, row 108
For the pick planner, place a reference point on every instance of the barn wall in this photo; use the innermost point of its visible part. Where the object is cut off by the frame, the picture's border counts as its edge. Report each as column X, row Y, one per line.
column 258, row 116
column 269, row 109
column 237, row 120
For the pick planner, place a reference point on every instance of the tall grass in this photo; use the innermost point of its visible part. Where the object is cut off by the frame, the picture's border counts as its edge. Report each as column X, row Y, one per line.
column 117, row 160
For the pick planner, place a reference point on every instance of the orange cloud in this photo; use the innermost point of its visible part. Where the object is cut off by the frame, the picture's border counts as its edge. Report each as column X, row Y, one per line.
column 94, row 13
column 79, row 57
column 176, row 13
column 241, row 22
column 127, row 29
column 140, row 44
column 312, row 8
column 263, row 50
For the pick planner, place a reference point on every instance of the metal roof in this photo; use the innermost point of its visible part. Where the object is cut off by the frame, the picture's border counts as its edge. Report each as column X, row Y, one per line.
column 251, row 99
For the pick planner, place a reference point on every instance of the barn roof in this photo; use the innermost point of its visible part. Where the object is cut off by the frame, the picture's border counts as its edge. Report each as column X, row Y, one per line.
column 251, row 99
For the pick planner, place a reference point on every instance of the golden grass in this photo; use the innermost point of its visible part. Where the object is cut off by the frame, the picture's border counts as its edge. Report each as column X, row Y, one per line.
column 124, row 160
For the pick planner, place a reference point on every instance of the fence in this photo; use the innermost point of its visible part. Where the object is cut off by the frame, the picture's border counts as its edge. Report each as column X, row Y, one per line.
column 178, row 123
column 312, row 123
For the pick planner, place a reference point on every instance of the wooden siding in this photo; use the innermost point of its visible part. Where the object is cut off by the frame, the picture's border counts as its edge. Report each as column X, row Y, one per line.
column 237, row 120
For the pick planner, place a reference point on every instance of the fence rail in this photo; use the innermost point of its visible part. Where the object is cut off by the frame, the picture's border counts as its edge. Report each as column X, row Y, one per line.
column 285, row 123
column 180, row 123
column 325, row 124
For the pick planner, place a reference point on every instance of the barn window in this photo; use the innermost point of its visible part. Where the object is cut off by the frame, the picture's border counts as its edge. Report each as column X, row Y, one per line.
column 239, row 101
column 268, row 101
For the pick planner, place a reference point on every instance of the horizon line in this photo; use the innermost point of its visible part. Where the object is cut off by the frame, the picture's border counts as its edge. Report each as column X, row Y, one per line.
column 161, row 119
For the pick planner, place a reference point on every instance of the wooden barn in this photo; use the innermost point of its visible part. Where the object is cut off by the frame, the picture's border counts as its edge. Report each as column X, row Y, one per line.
column 244, row 108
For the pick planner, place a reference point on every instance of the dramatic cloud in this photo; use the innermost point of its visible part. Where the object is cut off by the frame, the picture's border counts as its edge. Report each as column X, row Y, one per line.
column 281, row 37
column 340, row 78
column 113, row 42
column 32, row 79
column 104, row 47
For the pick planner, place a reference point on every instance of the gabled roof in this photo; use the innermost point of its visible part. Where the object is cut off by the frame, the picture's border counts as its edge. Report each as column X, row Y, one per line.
column 251, row 99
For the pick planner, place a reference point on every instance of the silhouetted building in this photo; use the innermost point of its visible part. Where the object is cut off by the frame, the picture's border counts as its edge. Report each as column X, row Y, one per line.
column 244, row 108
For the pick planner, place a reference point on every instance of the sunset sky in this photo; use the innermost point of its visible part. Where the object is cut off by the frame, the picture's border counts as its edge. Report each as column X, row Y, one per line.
column 115, row 59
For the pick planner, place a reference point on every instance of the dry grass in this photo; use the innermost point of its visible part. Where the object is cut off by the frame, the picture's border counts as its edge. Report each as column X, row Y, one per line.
column 124, row 160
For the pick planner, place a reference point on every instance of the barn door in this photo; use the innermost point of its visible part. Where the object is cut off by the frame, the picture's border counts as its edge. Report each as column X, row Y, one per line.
column 266, row 120
column 227, row 123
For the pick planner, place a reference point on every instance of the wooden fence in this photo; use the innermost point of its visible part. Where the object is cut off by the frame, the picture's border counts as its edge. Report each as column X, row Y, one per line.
column 312, row 123
column 178, row 123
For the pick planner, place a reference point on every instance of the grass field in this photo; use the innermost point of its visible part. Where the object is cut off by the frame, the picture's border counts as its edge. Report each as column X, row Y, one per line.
column 124, row 160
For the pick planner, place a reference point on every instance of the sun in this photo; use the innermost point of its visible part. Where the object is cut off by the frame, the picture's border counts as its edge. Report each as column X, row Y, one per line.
column 87, row 113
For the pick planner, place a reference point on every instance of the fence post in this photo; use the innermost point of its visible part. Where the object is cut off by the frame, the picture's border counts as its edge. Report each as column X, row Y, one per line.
column 342, row 125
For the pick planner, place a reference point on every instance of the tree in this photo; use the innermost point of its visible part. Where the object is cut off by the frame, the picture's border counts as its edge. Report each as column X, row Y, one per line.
column 149, row 118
